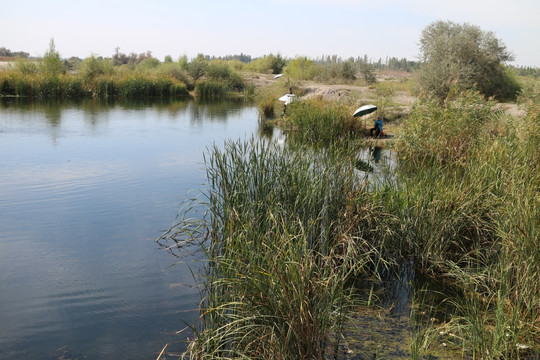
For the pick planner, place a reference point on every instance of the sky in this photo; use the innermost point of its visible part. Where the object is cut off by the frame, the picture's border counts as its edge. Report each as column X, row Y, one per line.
column 312, row 28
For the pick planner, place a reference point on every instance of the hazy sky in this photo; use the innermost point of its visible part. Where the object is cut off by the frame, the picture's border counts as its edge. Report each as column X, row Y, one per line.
column 257, row 27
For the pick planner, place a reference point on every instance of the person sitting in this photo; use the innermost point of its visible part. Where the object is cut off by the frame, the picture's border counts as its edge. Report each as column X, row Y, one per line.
column 377, row 127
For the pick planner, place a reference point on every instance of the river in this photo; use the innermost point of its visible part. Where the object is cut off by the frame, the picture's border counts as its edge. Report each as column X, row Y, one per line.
column 85, row 189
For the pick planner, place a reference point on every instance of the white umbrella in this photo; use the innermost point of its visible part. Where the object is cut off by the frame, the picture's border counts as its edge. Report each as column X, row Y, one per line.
column 364, row 110
column 287, row 98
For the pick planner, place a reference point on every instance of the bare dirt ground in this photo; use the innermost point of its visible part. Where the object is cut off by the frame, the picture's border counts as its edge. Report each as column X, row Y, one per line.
column 334, row 92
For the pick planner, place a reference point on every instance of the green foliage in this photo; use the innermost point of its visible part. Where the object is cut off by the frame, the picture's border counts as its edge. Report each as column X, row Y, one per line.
column 221, row 71
column 92, row 67
column 175, row 71
column 277, row 63
column 268, row 64
column 320, row 121
column 368, row 73
column 236, row 64
column 51, row 63
column 468, row 202
column 218, row 69
column 143, row 86
column 26, row 67
column 104, row 87
column 276, row 281
column 266, row 107
column 338, row 71
column 183, row 62
column 148, row 64
column 464, row 56
column 72, row 87
column 197, row 68
column 100, row 85
column 445, row 133
column 302, row 68
column 212, row 88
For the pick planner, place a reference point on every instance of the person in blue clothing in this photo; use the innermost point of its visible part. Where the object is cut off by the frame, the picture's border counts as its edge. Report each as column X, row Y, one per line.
column 377, row 127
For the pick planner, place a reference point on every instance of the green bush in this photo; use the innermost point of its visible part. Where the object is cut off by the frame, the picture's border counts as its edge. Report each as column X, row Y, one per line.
column 463, row 55
column 302, row 68
column 212, row 88
column 72, row 87
column 320, row 121
column 266, row 107
column 92, row 67
column 445, row 133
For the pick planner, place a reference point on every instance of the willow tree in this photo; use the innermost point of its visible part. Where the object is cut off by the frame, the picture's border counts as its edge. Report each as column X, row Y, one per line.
column 464, row 56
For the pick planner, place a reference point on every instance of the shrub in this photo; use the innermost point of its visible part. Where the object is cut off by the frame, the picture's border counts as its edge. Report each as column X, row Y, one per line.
column 445, row 133
column 464, row 56
column 302, row 68
column 51, row 64
column 266, row 107
column 197, row 68
column 211, row 88
column 92, row 67
column 26, row 67
column 320, row 121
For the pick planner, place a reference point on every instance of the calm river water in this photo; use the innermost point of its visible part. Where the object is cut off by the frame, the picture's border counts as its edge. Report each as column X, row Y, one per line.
column 85, row 188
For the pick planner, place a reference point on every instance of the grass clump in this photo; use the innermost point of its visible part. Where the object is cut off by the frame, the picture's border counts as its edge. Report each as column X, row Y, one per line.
column 319, row 121
column 446, row 133
column 283, row 236
column 468, row 204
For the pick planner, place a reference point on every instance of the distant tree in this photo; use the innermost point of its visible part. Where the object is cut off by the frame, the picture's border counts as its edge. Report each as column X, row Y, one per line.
column 183, row 62
column 167, row 59
column 277, row 63
column 132, row 59
column 51, row 63
column 463, row 55
column 148, row 63
column 348, row 70
column 368, row 72
column 197, row 68
column 73, row 62
column 26, row 67
column 9, row 53
column 92, row 67
column 302, row 68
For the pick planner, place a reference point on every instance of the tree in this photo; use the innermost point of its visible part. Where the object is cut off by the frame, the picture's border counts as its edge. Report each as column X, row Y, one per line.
column 302, row 68
column 92, row 67
column 463, row 55
column 197, row 68
column 51, row 63
column 277, row 63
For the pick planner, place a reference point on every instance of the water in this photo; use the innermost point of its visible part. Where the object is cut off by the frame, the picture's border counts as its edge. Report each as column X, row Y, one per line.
column 85, row 188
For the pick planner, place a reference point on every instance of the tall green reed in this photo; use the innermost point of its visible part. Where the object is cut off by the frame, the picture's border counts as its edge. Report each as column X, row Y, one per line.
column 319, row 121
column 468, row 199
column 286, row 229
column 13, row 83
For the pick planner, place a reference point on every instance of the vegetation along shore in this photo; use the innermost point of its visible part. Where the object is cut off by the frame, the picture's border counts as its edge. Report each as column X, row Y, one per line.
column 299, row 241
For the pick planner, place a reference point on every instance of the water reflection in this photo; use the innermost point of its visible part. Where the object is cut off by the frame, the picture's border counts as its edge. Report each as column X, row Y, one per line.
column 80, row 274
column 376, row 152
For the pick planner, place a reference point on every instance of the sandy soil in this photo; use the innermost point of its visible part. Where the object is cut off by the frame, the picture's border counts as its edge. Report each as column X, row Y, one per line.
column 336, row 92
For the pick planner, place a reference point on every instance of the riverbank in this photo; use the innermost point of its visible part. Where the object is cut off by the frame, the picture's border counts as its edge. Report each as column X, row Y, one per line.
column 302, row 229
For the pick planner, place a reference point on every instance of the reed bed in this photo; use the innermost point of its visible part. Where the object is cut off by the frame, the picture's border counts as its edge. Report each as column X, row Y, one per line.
column 286, row 230
column 468, row 202
column 76, row 86
column 318, row 121
column 292, row 229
